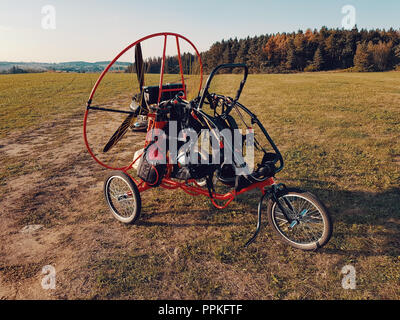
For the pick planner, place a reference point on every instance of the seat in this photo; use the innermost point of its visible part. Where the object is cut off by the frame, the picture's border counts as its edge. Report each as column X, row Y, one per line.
column 151, row 93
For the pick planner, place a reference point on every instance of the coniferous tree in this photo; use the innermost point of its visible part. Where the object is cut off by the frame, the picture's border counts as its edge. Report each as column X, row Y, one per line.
column 380, row 55
column 243, row 51
column 362, row 58
column 397, row 55
column 319, row 61
column 300, row 48
column 254, row 56
column 291, row 57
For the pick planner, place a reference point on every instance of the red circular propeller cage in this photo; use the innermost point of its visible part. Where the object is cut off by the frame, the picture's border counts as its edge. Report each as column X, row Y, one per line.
column 161, row 34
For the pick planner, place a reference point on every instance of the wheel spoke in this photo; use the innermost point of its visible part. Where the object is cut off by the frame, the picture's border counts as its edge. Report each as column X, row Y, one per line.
column 120, row 197
column 310, row 223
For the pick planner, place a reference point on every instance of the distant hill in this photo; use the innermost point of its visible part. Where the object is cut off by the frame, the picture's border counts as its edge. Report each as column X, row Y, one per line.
column 73, row 66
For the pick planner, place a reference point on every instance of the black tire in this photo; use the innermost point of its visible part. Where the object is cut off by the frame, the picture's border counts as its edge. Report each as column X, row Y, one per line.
column 285, row 231
column 125, row 203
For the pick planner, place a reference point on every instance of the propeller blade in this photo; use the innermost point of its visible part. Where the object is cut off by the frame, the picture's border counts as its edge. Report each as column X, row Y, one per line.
column 139, row 64
column 121, row 131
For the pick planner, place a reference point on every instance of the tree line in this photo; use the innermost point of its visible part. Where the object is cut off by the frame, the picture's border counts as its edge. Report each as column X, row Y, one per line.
column 312, row 50
column 14, row 70
column 189, row 62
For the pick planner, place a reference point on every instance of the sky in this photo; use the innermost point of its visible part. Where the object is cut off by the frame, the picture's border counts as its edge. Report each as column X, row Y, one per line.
column 96, row 30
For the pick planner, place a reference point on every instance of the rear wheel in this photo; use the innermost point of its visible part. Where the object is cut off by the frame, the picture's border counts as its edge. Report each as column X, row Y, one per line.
column 310, row 225
column 123, row 197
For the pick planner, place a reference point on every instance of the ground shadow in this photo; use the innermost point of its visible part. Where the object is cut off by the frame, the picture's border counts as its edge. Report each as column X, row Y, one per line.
column 353, row 212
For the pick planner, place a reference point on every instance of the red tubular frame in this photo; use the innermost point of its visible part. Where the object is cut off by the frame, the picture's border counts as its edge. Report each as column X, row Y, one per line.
column 162, row 70
column 167, row 183
column 195, row 190
column 180, row 66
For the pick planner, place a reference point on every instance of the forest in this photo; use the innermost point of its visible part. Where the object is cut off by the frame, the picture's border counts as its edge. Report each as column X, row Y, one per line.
column 312, row 50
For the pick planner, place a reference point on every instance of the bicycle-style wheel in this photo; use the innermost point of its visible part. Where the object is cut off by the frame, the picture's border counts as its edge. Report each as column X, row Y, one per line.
column 309, row 226
column 123, row 197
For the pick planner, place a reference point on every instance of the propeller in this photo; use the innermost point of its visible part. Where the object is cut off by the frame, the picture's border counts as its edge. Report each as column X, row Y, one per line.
column 139, row 66
column 121, row 131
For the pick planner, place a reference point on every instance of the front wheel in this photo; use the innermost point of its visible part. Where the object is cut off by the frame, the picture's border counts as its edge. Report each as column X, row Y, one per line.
column 307, row 224
column 123, row 197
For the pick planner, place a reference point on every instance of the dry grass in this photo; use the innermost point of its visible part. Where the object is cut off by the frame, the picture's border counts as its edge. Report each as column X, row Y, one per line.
column 338, row 133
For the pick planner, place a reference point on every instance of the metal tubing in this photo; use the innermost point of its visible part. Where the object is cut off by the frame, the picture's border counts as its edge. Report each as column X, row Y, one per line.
column 214, row 72
column 259, row 221
column 110, row 110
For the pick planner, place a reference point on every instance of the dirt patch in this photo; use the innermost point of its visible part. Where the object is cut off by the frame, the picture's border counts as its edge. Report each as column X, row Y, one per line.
column 63, row 193
column 12, row 273
column 46, row 196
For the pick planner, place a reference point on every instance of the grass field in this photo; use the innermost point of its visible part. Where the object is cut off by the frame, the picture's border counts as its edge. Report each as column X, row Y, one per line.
column 338, row 132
